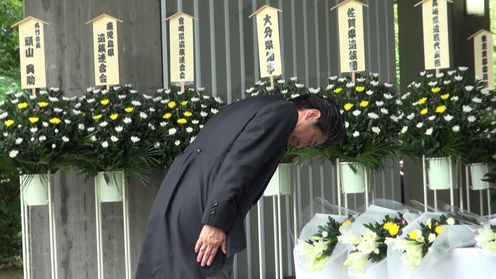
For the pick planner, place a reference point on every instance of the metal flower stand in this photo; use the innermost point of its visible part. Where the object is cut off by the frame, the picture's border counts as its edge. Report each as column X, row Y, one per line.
column 101, row 188
column 471, row 183
column 339, row 179
column 37, row 190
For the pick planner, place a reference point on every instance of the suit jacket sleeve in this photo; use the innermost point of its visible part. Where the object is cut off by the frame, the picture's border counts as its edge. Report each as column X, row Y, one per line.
column 260, row 139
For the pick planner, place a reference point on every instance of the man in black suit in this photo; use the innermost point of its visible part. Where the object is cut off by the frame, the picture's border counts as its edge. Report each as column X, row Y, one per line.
column 212, row 185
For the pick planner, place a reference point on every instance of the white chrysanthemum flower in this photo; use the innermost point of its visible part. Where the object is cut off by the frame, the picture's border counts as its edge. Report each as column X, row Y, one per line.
column 343, row 79
column 167, row 91
column 44, row 124
column 350, row 84
column 121, row 97
column 65, row 139
column 77, row 106
column 19, row 94
column 284, row 91
column 56, row 131
column 388, row 96
column 451, row 72
column 103, row 124
column 369, row 92
column 399, row 102
column 42, row 138
column 76, row 112
column 164, row 101
column 192, row 139
column 458, row 78
column 143, row 115
column 195, row 121
column 422, row 73
column 96, row 90
column 147, row 97
column 485, row 91
column 417, row 85
column 204, row 106
column 372, row 115
column 299, row 85
column 260, row 82
column 379, row 103
column 281, row 81
column 411, row 116
column 419, row 125
column 15, row 101
column 432, row 117
column 446, row 82
column 157, row 99
column 157, row 144
column 53, row 99
column 117, row 87
column 428, row 131
column 456, row 128
column 439, row 75
column 18, row 141
column 177, row 142
column 404, row 129
column 469, row 88
column 201, row 126
column 119, row 129
column 333, row 77
column 160, row 90
column 314, row 90
column 114, row 138
column 346, row 124
column 477, row 100
column 394, row 118
column 376, row 130
column 195, row 99
column 151, row 109
column 455, row 98
column 90, row 101
column 172, row 131
column 330, row 86
column 214, row 111
column 135, row 139
column 294, row 78
column 431, row 237
column 218, row 100
column 163, row 124
column 136, row 103
column 357, row 112
column 432, row 83
column 295, row 95
column 127, row 120
column 189, row 130
column 388, row 85
column 471, row 118
column 384, row 111
column 33, row 130
column 105, row 144
column 269, row 88
column 466, row 108
column 462, row 68
column 58, row 110
column 13, row 153
column 356, row 134
column 374, row 82
column 203, row 114
column 450, row 221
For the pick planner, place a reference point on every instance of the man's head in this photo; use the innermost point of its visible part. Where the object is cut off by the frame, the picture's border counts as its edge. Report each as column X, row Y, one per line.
column 319, row 122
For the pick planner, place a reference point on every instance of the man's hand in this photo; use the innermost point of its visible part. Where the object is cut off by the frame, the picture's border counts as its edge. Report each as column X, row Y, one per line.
column 211, row 238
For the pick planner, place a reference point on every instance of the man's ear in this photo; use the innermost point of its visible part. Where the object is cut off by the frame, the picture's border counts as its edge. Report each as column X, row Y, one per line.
column 312, row 113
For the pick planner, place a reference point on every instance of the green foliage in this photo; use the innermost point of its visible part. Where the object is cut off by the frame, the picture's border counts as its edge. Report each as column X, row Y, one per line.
column 11, row 12
column 10, row 223
column 327, row 235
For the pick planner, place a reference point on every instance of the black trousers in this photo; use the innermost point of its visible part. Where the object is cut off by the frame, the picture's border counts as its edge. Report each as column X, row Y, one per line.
column 225, row 272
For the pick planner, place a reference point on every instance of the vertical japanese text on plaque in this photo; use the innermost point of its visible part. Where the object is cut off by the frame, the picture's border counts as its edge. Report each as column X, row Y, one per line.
column 352, row 43
column 269, row 46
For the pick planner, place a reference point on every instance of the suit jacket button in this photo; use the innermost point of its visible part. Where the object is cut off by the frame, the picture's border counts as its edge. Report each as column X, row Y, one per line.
column 216, row 203
column 198, row 151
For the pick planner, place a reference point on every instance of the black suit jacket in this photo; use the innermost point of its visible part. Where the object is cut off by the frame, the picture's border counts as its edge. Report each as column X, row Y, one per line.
column 215, row 181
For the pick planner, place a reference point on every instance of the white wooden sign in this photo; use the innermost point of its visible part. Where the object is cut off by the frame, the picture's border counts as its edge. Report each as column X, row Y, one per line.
column 435, row 26
column 483, row 56
column 32, row 52
column 105, row 50
column 181, row 47
column 269, row 49
column 351, row 36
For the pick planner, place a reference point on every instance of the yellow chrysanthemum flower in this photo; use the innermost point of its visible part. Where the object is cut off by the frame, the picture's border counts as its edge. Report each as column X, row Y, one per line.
column 182, row 121
column 445, row 96
column 184, row 103
column 114, row 116
column 97, row 117
column 436, row 89
column 9, row 122
column 424, row 111
column 413, row 235
column 359, row 88
column 422, row 101
column 105, row 102
column 55, row 120
column 167, row 115
column 346, row 222
column 392, row 228
column 129, row 109
column 437, row 229
column 187, row 113
column 364, row 104
column 34, row 119
column 337, row 90
column 22, row 105
column 440, row 109
column 348, row 106
column 171, row 104
column 42, row 104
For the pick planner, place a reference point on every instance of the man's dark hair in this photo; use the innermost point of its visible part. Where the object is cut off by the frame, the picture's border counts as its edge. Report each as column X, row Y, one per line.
column 330, row 122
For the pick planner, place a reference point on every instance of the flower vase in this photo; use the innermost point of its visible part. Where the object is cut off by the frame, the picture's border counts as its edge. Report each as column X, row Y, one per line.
column 34, row 188
column 283, row 180
column 352, row 177
column 439, row 172
column 477, row 173
column 109, row 185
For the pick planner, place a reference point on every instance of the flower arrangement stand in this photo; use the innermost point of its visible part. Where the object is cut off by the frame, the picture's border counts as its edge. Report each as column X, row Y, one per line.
column 473, row 175
column 451, row 182
column 281, row 183
column 36, row 190
column 117, row 182
column 339, row 177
